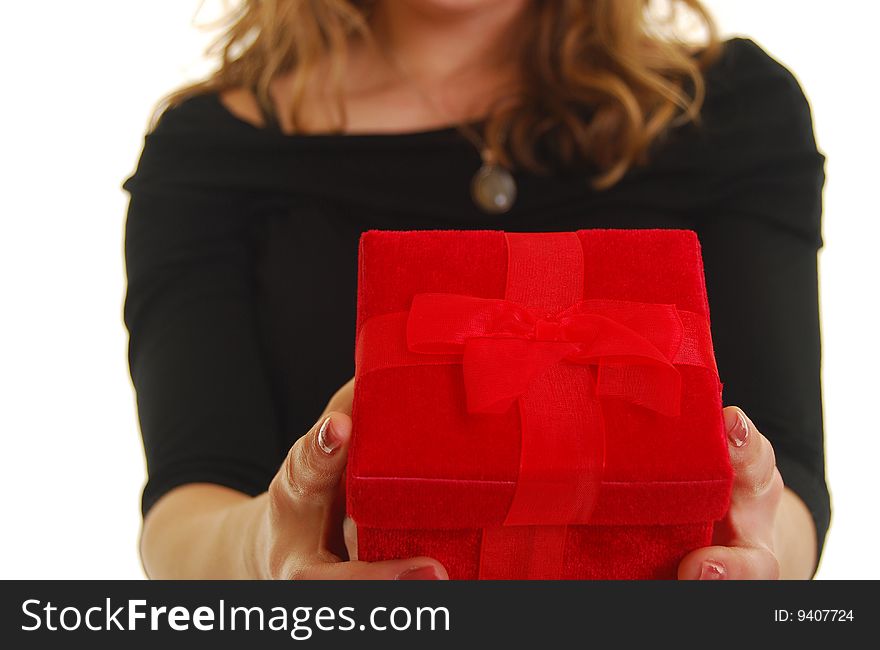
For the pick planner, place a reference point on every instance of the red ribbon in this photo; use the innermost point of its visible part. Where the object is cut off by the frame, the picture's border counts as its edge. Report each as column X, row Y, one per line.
column 555, row 356
column 504, row 346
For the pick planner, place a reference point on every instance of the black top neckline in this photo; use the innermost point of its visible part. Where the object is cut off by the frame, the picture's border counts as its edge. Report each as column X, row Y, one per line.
column 442, row 132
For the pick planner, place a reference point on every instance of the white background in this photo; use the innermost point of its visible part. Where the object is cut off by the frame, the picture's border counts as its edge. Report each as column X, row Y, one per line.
column 80, row 80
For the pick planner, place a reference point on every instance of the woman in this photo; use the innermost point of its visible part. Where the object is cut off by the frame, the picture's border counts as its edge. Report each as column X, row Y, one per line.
column 328, row 118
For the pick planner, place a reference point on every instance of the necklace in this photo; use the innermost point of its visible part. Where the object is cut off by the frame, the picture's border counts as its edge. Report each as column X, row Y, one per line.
column 493, row 188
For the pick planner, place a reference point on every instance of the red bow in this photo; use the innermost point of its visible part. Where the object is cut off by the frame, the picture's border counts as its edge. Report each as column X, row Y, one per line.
column 505, row 346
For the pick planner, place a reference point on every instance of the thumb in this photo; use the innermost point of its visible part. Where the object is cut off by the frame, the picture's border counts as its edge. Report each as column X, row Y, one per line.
column 304, row 489
column 729, row 563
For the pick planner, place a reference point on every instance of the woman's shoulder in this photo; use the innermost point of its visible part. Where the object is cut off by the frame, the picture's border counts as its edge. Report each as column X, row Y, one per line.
column 749, row 92
column 209, row 110
column 196, row 114
column 742, row 58
column 754, row 145
column 197, row 140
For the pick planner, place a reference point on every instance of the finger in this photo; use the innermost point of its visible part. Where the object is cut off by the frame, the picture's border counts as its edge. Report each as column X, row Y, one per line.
column 751, row 455
column 729, row 563
column 304, row 489
column 342, row 399
column 757, row 488
column 418, row 568
column 349, row 531
column 334, row 538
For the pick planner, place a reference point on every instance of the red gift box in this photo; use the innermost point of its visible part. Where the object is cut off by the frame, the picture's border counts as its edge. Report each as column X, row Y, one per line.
column 536, row 405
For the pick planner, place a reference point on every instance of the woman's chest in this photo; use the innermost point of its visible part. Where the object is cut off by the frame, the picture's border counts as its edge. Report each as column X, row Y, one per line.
column 306, row 261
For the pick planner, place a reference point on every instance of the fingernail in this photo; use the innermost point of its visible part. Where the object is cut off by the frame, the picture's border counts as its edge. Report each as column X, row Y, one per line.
column 328, row 438
column 737, row 427
column 420, row 573
column 712, row 570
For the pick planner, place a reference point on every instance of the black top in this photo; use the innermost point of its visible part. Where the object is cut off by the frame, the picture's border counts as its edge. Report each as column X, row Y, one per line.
column 241, row 252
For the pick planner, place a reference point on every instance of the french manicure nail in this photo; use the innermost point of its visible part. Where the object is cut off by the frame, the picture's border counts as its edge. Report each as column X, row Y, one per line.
column 737, row 427
column 419, row 573
column 712, row 570
column 328, row 440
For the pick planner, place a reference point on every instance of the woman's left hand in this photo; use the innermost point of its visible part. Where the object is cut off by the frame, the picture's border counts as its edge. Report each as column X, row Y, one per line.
column 744, row 539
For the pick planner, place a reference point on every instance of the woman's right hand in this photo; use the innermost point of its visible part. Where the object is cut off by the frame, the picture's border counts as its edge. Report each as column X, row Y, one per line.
column 304, row 513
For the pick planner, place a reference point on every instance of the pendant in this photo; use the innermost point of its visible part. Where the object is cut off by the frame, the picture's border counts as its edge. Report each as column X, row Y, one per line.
column 493, row 188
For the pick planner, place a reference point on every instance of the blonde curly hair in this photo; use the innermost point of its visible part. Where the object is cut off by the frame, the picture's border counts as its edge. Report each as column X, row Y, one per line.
column 601, row 80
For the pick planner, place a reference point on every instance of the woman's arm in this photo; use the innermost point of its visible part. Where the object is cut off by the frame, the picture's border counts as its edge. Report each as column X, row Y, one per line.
column 207, row 414
column 292, row 531
column 202, row 531
column 758, row 217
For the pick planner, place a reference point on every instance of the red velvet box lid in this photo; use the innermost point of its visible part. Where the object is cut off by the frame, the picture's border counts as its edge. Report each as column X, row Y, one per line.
column 419, row 459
